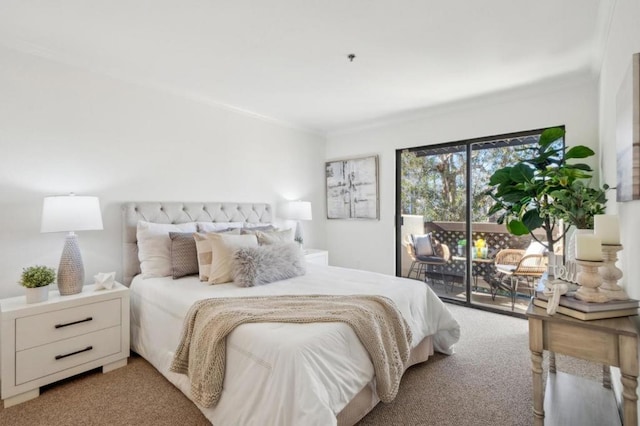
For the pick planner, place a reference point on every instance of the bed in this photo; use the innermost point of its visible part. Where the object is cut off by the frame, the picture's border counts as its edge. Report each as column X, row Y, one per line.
column 276, row 373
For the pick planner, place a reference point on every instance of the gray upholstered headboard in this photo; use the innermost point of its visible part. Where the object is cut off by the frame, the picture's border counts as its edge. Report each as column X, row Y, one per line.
column 176, row 212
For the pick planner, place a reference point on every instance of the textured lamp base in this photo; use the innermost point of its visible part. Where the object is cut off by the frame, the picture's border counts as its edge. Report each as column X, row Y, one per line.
column 71, row 269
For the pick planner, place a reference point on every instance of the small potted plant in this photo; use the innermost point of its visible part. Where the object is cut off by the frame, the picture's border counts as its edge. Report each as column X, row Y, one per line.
column 36, row 280
column 461, row 245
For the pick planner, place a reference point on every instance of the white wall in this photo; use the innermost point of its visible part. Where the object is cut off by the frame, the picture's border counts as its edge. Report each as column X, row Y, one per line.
column 63, row 129
column 370, row 245
column 623, row 41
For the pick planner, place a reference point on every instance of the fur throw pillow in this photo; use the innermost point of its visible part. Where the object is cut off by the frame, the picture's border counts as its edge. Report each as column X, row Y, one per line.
column 265, row 264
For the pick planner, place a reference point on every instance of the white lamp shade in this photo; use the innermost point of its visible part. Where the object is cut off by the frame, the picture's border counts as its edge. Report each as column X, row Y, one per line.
column 297, row 210
column 70, row 213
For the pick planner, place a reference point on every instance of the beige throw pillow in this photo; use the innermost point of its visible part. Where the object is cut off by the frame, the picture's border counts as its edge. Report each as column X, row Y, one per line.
column 222, row 248
column 203, row 248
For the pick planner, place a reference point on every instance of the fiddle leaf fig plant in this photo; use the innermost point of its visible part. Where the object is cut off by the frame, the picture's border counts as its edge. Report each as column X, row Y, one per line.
column 579, row 205
column 542, row 188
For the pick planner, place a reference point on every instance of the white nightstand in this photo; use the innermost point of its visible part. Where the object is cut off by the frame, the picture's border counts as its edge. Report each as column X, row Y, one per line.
column 66, row 335
column 319, row 257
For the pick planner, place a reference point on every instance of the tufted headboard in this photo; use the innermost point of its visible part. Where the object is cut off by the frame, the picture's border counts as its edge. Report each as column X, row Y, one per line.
column 176, row 212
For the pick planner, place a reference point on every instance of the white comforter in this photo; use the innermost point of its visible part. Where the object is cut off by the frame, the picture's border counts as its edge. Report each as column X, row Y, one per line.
column 283, row 374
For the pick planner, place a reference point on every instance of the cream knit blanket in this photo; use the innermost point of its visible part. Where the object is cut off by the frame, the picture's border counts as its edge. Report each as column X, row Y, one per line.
column 375, row 319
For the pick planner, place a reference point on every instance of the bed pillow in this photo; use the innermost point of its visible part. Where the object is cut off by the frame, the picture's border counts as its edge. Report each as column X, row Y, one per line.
column 265, row 264
column 275, row 237
column 154, row 246
column 184, row 256
column 254, row 229
column 222, row 248
column 204, row 227
column 203, row 251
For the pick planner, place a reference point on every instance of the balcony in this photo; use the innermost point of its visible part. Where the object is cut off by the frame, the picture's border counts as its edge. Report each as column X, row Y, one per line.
column 448, row 280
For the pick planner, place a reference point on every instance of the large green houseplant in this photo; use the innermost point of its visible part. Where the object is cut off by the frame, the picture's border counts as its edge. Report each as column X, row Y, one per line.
column 544, row 187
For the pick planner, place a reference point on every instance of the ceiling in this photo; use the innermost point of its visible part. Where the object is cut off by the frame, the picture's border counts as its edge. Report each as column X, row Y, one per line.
column 287, row 59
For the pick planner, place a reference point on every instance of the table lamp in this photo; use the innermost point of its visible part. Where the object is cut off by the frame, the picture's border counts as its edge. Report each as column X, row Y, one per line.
column 297, row 210
column 70, row 213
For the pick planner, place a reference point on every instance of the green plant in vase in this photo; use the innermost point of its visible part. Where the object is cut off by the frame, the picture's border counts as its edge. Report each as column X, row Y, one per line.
column 539, row 190
column 461, row 247
column 36, row 280
column 578, row 206
column 37, row 276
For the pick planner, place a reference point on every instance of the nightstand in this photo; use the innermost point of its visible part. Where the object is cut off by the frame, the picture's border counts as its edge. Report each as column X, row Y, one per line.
column 63, row 336
column 319, row 257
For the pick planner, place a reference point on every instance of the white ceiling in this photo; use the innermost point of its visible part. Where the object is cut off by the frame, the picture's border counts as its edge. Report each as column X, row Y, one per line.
column 287, row 59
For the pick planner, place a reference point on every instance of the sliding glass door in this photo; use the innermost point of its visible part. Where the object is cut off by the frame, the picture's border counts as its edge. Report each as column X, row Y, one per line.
column 445, row 235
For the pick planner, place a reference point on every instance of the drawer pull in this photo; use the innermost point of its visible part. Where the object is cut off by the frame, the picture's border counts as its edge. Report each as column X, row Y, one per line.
column 88, row 348
column 74, row 322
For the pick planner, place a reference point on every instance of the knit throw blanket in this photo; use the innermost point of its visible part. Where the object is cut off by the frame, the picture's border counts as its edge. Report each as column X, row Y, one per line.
column 375, row 319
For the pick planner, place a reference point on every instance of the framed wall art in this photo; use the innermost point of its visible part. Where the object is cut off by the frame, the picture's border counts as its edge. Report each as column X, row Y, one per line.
column 628, row 134
column 352, row 188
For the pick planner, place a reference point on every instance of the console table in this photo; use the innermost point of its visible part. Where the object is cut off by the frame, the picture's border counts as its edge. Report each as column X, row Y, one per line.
column 611, row 342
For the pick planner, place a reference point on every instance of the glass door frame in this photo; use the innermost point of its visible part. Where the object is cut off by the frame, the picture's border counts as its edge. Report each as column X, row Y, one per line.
column 468, row 148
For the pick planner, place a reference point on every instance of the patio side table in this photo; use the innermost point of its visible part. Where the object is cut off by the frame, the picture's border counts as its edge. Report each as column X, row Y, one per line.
column 475, row 262
column 570, row 400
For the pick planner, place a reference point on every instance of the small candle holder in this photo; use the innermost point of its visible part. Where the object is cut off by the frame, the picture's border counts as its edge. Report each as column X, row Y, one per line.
column 589, row 281
column 611, row 274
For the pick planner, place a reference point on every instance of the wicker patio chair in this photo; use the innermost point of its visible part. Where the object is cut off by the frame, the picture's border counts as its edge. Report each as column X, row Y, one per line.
column 422, row 264
column 515, row 267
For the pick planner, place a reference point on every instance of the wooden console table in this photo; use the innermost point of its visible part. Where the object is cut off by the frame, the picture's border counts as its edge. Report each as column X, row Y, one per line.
column 611, row 342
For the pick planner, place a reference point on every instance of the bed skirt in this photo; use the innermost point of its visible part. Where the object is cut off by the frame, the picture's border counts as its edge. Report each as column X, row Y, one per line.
column 366, row 399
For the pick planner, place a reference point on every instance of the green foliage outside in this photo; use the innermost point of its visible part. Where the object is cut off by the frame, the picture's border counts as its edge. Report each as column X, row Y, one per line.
column 434, row 185
column 37, row 276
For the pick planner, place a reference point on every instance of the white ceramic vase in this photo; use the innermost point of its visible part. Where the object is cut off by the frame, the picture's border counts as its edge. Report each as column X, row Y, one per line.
column 37, row 294
column 570, row 249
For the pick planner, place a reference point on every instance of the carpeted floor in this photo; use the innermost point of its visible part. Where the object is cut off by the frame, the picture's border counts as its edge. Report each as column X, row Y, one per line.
column 486, row 382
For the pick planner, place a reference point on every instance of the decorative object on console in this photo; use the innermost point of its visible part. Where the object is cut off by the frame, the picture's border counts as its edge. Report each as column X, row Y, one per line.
column 70, row 213
column 36, row 280
column 589, row 280
column 589, row 258
column 573, row 307
column 588, row 247
column 297, row 210
column 105, row 280
column 607, row 228
column 611, row 274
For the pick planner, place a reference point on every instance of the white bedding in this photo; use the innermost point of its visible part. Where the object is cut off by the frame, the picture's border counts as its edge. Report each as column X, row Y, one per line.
column 283, row 374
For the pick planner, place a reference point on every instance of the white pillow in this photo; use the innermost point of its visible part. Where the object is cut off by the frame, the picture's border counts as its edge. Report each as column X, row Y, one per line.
column 257, row 225
column 275, row 237
column 154, row 246
column 222, row 248
column 217, row 226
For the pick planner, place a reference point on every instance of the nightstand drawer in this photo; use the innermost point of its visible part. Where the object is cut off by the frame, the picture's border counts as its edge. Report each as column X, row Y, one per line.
column 41, row 361
column 36, row 330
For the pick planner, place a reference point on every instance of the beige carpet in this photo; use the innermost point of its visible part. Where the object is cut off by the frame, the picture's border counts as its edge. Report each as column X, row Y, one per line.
column 486, row 382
